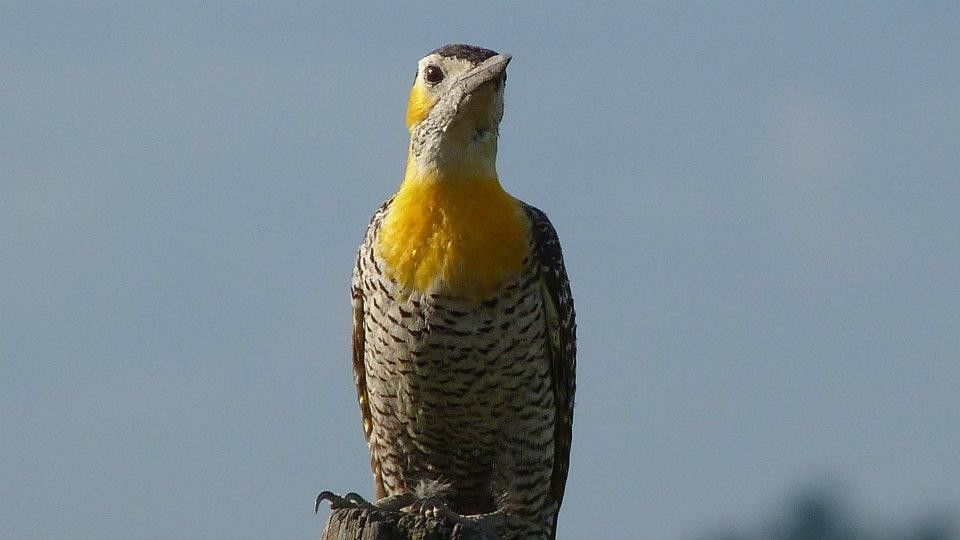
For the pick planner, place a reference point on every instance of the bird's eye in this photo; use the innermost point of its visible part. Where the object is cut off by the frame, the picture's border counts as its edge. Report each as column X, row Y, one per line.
column 432, row 74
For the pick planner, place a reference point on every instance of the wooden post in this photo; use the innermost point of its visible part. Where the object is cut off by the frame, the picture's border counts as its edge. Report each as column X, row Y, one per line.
column 360, row 524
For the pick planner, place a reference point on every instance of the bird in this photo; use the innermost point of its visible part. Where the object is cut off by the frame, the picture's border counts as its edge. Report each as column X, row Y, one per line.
column 464, row 331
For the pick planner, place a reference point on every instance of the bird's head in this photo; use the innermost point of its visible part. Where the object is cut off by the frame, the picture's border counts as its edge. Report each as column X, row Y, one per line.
column 454, row 113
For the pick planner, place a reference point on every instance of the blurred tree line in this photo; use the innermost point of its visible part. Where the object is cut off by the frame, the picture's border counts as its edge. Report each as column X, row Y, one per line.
column 821, row 514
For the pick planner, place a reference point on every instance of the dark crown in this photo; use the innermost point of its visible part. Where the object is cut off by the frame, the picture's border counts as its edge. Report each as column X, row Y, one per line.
column 472, row 54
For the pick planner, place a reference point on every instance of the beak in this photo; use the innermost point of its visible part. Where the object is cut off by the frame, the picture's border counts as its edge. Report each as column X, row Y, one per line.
column 488, row 70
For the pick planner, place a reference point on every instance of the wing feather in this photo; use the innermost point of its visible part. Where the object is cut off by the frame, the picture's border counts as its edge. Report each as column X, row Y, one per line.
column 562, row 331
column 359, row 366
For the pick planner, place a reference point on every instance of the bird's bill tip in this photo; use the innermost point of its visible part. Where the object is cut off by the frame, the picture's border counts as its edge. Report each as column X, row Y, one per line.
column 486, row 71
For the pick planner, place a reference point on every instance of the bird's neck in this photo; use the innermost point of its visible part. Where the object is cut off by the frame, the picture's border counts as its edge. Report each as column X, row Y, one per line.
column 452, row 150
column 456, row 233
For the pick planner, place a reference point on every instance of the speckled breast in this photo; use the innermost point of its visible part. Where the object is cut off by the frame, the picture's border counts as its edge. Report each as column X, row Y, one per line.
column 444, row 377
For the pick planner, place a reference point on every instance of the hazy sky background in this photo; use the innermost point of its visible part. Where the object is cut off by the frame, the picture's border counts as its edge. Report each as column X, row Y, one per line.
column 759, row 205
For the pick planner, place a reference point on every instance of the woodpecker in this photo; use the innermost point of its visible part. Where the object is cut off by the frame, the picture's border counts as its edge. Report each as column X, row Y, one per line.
column 464, row 334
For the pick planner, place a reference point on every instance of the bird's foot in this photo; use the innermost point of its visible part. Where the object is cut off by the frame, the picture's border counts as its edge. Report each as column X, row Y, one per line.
column 350, row 500
column 487, row 525
column 434, row 507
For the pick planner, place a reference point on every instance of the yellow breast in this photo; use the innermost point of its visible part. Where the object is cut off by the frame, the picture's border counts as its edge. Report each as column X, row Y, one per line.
column 464, row 237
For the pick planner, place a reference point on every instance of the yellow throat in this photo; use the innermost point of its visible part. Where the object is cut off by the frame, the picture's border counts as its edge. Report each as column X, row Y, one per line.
column 462, row 236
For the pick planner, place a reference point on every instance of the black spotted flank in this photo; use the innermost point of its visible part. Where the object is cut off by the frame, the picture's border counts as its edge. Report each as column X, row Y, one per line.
column 472, row 54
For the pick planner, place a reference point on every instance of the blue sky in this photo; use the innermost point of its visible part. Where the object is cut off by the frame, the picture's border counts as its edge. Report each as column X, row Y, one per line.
column 758, row 204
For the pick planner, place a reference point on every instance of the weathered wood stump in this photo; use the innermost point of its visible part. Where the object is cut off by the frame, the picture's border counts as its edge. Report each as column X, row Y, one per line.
column 360, row 524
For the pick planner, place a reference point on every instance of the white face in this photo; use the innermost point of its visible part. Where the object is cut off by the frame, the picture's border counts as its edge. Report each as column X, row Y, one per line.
column 450, row 84
column 437, row 73
column 458, row 107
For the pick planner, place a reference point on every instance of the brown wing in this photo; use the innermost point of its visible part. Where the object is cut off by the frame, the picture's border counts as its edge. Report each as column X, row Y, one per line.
column 360, row 375
column 359, row 369
column 562, row 330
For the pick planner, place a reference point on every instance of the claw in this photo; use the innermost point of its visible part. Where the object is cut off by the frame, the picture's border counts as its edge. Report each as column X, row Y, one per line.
column 327, row 496
column 359, row 502
column 350, row 500
column 434, row 507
